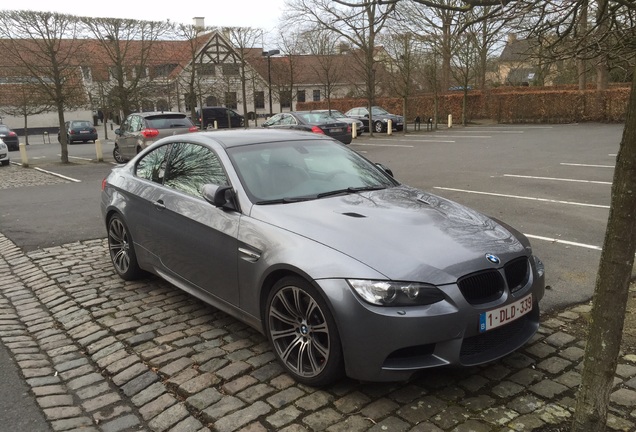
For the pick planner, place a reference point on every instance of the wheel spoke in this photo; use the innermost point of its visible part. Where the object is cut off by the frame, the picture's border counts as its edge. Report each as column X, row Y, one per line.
column 282, row 334
column 286, row 319
column 293, row 312
column 287, row 356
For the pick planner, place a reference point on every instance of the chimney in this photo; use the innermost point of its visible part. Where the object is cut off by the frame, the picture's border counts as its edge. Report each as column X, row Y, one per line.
column 199, row 21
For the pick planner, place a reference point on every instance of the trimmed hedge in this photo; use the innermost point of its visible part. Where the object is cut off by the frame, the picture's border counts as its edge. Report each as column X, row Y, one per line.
column 508, row 105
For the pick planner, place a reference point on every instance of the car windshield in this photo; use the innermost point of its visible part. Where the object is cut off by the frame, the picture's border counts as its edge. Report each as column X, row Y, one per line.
column 80, row 124
column 4, row 129
column 379, row 111
column 302, row 170
column 335, row 114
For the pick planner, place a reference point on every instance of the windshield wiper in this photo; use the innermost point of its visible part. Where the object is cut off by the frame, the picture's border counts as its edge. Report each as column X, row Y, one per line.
column 350, row 190
column 287, row 200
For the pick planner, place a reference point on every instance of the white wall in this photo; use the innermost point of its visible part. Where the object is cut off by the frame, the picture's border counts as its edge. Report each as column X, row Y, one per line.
column 46, row 120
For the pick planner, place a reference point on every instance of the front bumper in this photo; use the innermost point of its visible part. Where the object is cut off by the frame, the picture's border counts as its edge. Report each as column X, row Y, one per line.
column 391, row 344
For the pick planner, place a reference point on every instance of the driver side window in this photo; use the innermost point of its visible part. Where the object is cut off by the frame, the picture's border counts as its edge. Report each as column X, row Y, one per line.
column 191, row 166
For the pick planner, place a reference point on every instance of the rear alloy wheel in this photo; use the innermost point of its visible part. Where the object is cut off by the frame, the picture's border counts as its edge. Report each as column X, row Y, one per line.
column 378, row 127
column 117, row 155
column 122, row 252
column 303, row 332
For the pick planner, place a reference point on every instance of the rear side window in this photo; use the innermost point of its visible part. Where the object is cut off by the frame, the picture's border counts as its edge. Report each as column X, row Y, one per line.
column 153, row 166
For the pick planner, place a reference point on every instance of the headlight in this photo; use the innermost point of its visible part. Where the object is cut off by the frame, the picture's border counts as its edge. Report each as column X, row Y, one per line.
column 539, row 265
column 389, row 293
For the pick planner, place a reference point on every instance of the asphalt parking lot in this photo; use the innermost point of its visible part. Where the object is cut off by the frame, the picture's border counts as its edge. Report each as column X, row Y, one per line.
column 102, row 354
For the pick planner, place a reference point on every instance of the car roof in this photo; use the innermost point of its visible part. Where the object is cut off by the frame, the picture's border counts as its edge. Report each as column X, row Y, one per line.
column 159, row 113
column 243, row 137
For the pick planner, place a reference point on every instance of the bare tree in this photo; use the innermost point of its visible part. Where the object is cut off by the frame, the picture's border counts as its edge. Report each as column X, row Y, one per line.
column 244, row 41
column 356, row 21
column 126, row 51
column 27, row 100
column 45, row 45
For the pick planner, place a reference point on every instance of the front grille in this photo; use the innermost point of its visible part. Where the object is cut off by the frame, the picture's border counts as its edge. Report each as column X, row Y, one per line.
column 482, row 287
column 517, row 273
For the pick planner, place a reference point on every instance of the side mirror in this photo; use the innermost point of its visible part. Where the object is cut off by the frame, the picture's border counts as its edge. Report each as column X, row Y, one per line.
column 117, row 131
column 219, row 196
column 366, row 116
column 385, row 169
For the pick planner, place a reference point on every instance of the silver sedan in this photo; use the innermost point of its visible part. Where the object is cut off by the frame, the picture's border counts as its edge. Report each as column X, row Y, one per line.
column 343, row 268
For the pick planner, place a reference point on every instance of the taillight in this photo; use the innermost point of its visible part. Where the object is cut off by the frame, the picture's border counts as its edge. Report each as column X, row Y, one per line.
column 12, row 133
column 93, row 130
column 349, row 129
column 71, row 132
column 104, row 184
column 316, row 129
column 150, row 133
column 193, row 129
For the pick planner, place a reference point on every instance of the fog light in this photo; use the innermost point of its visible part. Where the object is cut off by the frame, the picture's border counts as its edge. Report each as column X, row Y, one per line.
column 539, row 266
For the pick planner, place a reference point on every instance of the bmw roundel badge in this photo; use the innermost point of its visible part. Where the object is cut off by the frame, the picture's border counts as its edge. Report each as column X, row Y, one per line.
column 493, row 258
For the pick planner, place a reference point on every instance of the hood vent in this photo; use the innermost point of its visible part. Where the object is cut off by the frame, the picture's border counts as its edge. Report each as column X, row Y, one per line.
column 355, row 215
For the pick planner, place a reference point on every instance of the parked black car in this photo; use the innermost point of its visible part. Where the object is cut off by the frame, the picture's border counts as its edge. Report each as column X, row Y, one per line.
column 224, row 118
column 9, row 137
column 316, row 122
column 338, row 115
column 380, row 118
column 79, row 130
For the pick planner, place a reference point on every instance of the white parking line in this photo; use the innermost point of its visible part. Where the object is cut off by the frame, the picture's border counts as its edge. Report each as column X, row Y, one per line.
column 565, row 242
column 524, row 197
column 558, row 179
column 587, row 165
column 57, row 175
column 384, row 145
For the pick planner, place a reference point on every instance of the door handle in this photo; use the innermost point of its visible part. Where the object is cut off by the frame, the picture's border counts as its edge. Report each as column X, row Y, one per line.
column 159, row 205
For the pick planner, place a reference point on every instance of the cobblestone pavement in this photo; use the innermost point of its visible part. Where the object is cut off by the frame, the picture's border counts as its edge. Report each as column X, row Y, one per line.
column 101, row 354
column 12, row 176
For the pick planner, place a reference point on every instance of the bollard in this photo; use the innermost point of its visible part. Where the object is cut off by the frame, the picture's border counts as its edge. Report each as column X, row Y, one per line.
column 98, row 150
column 389, row 127
column 354, row 130
column 216, row 124
column 23, row 155
column 450, row 121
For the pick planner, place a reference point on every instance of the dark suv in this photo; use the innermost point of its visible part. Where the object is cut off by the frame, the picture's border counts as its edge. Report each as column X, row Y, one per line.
column 224, row 117
column 380, row 118
column 140, row 130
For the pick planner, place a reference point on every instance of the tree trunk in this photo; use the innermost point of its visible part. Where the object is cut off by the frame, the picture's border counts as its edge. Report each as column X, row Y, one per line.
column 63, row 133
column 612, row 287
column 26, row 129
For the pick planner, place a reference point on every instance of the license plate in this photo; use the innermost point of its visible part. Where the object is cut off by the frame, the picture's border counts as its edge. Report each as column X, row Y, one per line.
column 336, row 130
column 505, row 314
column 84, row 131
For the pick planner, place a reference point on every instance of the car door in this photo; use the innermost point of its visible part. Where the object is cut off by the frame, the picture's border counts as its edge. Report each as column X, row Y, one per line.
column 124, row 137
column 195, row 241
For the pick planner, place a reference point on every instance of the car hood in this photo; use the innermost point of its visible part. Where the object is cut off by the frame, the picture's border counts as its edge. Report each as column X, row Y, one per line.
column 401, row 232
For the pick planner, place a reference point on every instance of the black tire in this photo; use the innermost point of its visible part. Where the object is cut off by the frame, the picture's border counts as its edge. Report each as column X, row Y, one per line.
column 5, row 163
column 303, row 333
column 117, row 155
column 378, row 127
column 121, row 250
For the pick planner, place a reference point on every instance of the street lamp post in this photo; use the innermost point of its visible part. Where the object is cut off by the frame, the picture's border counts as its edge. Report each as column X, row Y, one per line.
column 269, row 54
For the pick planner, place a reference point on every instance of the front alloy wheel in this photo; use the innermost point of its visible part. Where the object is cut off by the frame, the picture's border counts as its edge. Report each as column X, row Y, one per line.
column 122, row 253
column 303, row 332
column 378, row 127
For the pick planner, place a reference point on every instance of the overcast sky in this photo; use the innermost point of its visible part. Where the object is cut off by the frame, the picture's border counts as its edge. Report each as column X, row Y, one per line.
column 241, row 13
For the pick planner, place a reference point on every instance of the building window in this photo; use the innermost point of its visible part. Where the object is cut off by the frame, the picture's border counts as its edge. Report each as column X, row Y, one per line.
column 230, row 69
column 230, row 100
column 164, row 70
column 207, row 69
column 211, row 101
column 285, row 99
column 140, row 72
column 86, row 73
column 316, row 95
column 300, row 96
column 259, row 100
column 190, row 101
